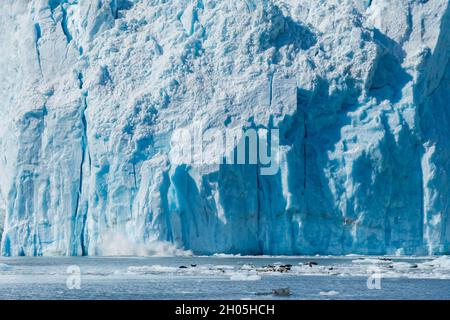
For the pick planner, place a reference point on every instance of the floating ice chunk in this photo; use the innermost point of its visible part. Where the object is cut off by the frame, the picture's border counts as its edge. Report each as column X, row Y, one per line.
column 151, row 269
column 328, row 293
column 441, row 263
column 247, row 267
column 239, row 276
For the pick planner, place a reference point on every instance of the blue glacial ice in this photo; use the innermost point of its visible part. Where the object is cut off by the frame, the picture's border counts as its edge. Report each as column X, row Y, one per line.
column 91, row 92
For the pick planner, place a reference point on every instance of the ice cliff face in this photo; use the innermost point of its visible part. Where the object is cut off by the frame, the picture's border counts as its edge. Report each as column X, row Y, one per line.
column 91, row 91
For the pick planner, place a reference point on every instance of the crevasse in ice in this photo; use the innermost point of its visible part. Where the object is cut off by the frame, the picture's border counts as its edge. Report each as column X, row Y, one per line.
column 91, row 92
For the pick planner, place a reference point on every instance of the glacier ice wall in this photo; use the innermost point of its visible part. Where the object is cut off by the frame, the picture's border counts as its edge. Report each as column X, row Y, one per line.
column 92, row 90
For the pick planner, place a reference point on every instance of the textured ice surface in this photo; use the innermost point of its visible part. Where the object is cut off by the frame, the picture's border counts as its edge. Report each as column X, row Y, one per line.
column 92, row 90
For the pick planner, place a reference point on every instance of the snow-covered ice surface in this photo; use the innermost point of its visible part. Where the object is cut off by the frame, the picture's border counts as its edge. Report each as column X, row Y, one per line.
column 225, row 278
column 91, row 92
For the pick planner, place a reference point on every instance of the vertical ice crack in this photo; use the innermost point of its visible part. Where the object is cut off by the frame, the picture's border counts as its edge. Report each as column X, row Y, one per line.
column 84, row 156
column 409, row 26
column 62, row 4
column 258, row 207
column 38, row 36
column 270, row 89
column 64, row 26
column 423, row 210
column 305, row 137
column 80, row 80
column 114, row 9
column 134, row 174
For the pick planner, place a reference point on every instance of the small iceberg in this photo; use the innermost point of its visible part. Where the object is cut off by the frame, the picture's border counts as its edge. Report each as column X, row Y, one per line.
column 151, row 269
column 328, row 293
column 239, row 276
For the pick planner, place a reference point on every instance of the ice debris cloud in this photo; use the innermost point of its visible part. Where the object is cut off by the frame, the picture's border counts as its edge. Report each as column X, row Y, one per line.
column 91, row 92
